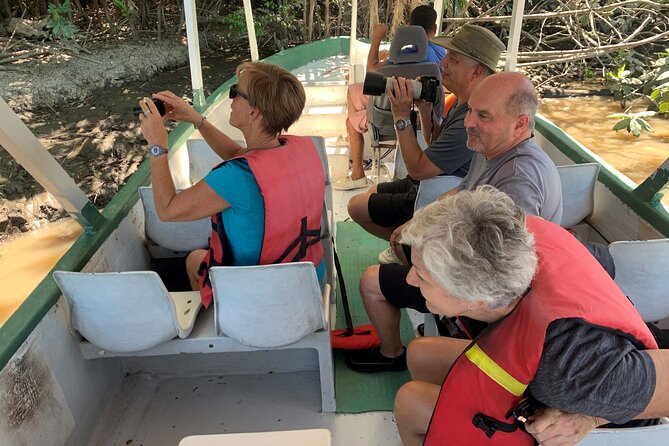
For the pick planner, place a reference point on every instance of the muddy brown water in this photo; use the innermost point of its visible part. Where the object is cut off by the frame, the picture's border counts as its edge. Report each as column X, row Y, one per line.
column 25, row 261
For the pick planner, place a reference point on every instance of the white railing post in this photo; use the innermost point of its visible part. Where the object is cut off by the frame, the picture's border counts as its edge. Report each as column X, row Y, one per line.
column 352, row 51
column 19, row 141
column 194, row 54
column 514, row 35
column 439, row 7
column 251, row 31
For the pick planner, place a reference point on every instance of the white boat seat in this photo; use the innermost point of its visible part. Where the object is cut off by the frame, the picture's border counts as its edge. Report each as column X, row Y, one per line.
column 641, row 272
column 201, row 159
column 267, row 305
column 127, row 311
column 276, row 306
column 305, row 437
column 578, row 189
column 637, row 436
column 181, row 236
column 431, row 189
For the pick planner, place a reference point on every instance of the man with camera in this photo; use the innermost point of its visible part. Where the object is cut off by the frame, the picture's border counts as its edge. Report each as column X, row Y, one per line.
column 356, row 122
column 499, row 126
column 473, row 54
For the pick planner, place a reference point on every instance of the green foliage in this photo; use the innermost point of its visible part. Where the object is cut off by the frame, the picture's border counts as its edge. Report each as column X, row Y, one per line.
column 634, row 123
column 60, row 26
column 276, row 23
column 236, row 22
column 658, row 84
column 623, row 85
column 122, row 7
column 653, row 83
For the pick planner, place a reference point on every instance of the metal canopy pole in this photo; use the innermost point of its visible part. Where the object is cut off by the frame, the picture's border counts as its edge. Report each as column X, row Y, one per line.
column 439, row 7
column 514, row 35
column 19, row 141
column 353, row 45
column 194, row 54
column 251, row 31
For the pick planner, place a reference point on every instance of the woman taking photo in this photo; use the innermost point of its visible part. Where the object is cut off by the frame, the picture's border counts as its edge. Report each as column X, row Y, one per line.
column 265, row 200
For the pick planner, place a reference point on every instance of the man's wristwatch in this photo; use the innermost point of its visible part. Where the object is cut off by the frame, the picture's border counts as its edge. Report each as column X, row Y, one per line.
column 157, row 150
column 401, row 124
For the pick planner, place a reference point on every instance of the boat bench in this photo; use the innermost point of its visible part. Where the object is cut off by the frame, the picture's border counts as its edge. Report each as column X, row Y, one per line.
column 255, row 308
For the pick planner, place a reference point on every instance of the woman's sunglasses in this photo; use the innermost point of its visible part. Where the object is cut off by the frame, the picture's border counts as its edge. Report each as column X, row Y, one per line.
column 235, row 91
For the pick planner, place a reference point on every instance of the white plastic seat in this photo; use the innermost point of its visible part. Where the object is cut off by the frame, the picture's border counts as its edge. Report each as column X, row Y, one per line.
column 637, row 436
column 182, row 236
column 431, row 189
column 201, row 159
column 306, row 437
column 641, row 272
column 578, row 189
column 127, row 311
column 276, row 306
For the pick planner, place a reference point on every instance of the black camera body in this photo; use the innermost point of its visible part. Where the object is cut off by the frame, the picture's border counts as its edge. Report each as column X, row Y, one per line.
column 427, row 88
column 160, row 106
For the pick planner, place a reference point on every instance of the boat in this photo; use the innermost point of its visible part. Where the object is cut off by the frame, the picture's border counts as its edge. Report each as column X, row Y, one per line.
column 58, row 390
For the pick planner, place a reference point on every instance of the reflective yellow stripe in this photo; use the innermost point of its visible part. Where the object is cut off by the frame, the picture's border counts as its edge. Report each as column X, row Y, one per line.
column 494, row 371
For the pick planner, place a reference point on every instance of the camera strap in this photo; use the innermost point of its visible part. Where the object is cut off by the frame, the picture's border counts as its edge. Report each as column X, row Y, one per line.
column 413, row 117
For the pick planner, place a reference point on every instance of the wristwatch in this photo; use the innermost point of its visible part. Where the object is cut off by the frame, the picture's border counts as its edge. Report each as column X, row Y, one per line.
column 157, row 150
column 401, row 124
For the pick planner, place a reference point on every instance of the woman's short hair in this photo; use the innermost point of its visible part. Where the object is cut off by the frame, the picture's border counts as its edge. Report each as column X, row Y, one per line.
column 276, row 92
column 476, row 245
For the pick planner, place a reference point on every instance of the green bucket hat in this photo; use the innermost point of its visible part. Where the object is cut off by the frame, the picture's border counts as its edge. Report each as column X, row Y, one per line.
column 475, row 42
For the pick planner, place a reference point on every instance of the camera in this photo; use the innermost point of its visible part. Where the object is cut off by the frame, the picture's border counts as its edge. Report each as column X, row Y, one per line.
column 160, row 105
column 426, row 88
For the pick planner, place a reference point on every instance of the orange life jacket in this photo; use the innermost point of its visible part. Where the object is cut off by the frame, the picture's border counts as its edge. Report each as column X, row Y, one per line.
column 490, row 377
column 292, row 184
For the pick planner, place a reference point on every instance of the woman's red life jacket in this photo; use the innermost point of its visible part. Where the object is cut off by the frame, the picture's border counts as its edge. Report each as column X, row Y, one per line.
column 292, row 184
column 490, row 377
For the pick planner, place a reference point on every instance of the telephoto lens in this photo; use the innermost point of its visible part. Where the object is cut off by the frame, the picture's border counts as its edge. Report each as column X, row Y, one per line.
column 160, row 105
column 426, row 88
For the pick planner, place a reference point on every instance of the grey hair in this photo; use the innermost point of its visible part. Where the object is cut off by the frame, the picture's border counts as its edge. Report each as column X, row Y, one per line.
column 524, row 101
column 476, row 245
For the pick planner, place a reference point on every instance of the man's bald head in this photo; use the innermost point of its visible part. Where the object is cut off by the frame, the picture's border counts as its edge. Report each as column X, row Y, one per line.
column 502, row 109
column 517, row 92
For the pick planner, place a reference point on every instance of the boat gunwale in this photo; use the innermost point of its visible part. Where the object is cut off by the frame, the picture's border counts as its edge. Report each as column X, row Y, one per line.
column 18, row 327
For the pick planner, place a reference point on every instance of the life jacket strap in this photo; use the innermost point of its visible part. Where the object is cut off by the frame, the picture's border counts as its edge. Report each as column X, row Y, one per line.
column 305, row 239
column 491, row 425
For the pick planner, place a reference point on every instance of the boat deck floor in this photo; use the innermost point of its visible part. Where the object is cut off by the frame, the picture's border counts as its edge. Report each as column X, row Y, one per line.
column 150, row 410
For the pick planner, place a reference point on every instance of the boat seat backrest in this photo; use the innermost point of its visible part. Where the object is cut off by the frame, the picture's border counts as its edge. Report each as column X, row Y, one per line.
column 431, row 189
column 201, row 159
column 182, row 236
column 578, row 189
column 126, row 311
column 268, row 306
column 408, row 65
column 641, row 272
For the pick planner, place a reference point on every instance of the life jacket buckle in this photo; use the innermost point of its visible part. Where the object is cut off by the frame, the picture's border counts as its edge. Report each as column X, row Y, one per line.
column 480, row 421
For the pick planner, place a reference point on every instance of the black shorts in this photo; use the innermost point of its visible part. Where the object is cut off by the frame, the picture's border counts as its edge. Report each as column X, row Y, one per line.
column 396, row 290
column 392, row 204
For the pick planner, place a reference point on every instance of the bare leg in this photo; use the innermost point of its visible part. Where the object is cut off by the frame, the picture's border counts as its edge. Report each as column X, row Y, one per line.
column 193, row 262
column 430, row 359
column 356, row 145
column 414, row 404
column 383, row 315
column 358, row 209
